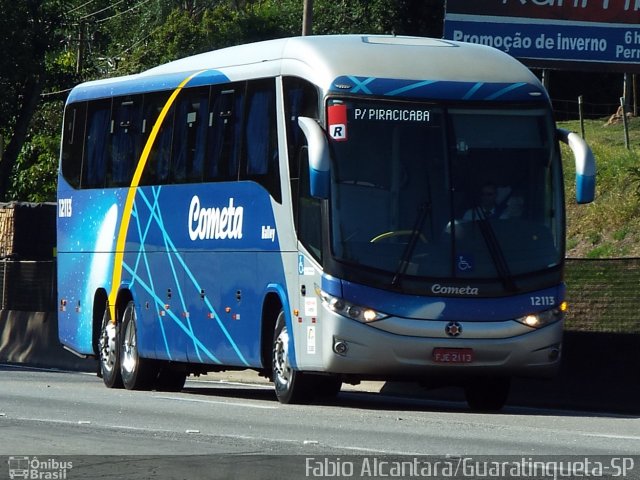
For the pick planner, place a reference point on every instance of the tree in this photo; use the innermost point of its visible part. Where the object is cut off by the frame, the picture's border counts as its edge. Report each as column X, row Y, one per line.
column 28, row 31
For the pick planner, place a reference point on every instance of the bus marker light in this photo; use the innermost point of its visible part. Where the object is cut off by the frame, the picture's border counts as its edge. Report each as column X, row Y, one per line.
column 227, row 309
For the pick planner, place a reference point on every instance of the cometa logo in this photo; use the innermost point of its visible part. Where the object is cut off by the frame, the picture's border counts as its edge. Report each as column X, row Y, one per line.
column 214, row 223
column 449, row 290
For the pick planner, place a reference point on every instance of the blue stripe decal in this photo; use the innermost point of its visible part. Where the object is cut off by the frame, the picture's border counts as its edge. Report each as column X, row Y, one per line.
column 137, row 84
column 172, row 315
column 441, row 89
column 143, row 254
column 361, row 85
column 473, row 90
column 505, row 90
column 408, row 88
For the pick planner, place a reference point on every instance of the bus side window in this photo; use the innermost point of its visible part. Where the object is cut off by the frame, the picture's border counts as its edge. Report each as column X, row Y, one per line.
column 260, row 137
column 190, row 133
column 73, row 141
column 301, row 99
column 156, row 170
column 125, row 130
column 223, row 139
column 97, row 147
column 308, row 217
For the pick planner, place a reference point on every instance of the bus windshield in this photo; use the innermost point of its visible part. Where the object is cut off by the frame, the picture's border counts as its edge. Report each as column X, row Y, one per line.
column 422, row 190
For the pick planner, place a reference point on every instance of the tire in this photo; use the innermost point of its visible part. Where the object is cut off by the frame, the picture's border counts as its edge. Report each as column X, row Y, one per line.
column 487, row 394
column 291, row 386
column 109, row 352
column 170, row 380
column 137, row 373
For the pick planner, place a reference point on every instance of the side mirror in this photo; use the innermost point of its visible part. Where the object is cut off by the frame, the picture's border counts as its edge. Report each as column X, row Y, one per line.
column 319, row 164
column 585, row 165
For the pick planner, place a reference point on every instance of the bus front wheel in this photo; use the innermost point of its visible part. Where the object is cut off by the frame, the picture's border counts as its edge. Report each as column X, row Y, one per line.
column 291, row 386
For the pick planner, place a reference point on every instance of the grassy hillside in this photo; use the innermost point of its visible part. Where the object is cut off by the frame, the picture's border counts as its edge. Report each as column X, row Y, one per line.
column 610, row 226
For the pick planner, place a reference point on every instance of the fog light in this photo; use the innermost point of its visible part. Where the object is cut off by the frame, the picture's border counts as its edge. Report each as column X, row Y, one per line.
column 340, row 347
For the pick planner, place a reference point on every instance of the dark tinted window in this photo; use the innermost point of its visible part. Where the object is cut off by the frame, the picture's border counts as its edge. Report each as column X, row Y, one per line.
column 97, row 144
column 73, row 142
column 126, row 140
column 260, row 145
column 223, row 145
column 191, row 125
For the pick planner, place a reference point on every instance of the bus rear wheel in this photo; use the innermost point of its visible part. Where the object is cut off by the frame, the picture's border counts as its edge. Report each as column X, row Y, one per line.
column 109, row 352
column 487, row 394
column 291, row 386
column 137, row 373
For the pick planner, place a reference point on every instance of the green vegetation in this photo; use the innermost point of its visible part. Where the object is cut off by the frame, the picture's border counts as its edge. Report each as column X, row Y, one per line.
column 610, row 226
column 603, row 295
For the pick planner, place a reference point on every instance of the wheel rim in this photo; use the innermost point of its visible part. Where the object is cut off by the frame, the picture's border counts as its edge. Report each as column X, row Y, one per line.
column 108, row 346
column 129, row 348
column 281, row 366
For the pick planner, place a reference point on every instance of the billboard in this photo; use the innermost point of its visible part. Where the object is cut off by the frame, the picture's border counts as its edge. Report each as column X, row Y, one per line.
column 583, row 34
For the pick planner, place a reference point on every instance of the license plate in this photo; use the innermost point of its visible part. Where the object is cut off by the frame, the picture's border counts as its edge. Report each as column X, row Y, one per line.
column 453, row 355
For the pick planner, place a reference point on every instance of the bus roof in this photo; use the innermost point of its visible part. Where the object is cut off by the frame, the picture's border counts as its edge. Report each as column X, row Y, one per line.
column 336, row 62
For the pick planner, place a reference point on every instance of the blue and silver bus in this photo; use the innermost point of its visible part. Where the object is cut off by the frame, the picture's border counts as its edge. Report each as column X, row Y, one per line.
column 321, row 210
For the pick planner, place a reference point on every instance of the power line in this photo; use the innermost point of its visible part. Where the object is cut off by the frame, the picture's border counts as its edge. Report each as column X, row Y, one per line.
column 83, row 5
column 102, row 10
column 123, row 12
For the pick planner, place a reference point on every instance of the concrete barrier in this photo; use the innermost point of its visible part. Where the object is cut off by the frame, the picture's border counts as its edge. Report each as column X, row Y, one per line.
column 31, row 338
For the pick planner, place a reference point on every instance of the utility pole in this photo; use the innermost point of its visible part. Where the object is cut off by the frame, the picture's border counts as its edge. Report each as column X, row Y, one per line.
column 307, row 17
column 80, row 57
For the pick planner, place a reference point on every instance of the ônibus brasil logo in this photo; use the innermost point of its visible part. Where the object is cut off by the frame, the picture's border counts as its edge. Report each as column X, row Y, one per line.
column 34, row 468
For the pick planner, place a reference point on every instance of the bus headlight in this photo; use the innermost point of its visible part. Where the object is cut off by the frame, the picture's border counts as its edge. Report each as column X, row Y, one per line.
column 349, row 310
column 540, row 319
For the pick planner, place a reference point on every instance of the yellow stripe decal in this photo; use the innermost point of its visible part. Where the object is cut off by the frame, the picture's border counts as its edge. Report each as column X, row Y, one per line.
column 131, row 194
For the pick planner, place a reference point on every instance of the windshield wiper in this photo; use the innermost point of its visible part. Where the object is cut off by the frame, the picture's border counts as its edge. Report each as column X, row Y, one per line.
column 423, row 211
column 496, row 252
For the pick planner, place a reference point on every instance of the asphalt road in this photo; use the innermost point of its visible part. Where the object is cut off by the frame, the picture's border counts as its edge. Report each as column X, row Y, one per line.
column 216, row 429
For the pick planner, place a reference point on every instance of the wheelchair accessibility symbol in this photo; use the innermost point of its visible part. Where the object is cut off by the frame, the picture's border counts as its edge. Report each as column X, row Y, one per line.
column 465, row 263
